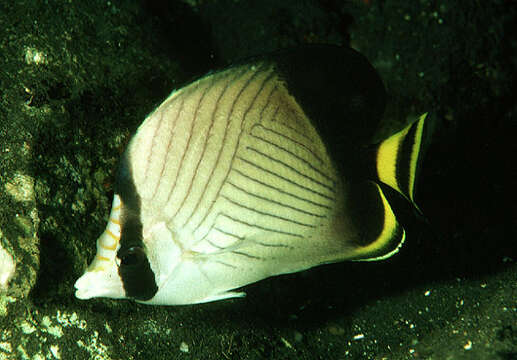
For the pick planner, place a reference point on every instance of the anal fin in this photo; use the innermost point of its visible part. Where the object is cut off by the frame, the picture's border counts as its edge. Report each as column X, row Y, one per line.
column 223, row 295
column 378, row 234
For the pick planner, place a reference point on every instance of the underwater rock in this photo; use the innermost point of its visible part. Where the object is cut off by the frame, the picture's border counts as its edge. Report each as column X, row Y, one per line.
column 19, row 242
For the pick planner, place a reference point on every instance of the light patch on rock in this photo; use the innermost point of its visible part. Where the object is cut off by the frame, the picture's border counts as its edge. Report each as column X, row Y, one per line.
column 26, row 327
column 95, row 348
column 151, row 327
column 108, row 328
column 54, row 330
column 6, row 347
column 70, row 320
column 54, row 350
column 21, row 187
column 22, row 353
column 35, row 56
column 7, row 269
column 6, row 335
column 38, row 356
column 184, row 347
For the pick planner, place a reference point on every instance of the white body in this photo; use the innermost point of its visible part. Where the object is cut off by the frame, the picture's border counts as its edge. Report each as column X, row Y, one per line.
column 229, row 193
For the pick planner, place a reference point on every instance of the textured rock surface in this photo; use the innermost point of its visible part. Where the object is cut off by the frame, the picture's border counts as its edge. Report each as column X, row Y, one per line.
column 76, row 78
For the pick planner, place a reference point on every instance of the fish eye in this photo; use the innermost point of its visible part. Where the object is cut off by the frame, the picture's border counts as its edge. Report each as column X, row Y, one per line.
column 134, row 256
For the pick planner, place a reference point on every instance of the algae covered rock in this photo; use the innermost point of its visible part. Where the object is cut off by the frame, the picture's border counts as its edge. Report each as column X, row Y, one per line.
column 19, row 255
column 19, row 219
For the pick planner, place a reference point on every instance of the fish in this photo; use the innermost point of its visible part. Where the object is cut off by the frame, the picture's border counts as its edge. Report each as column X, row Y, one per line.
column 265, row 167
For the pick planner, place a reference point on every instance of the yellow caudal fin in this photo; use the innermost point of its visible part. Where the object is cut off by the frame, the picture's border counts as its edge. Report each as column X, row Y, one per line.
column 370, row 205
column 398, row 157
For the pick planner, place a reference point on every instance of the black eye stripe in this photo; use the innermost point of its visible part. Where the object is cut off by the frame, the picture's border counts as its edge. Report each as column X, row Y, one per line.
column 136, row 274
column 134, row 256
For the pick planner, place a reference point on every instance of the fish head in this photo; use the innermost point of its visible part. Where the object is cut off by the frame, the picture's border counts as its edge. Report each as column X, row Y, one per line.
column 156, row 270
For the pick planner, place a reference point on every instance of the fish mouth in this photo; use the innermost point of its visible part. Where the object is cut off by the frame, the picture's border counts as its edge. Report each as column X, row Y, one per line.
column 100, row 282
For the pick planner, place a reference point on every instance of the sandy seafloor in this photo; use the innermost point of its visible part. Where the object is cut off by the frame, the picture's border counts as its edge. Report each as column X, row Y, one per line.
column 76, row 79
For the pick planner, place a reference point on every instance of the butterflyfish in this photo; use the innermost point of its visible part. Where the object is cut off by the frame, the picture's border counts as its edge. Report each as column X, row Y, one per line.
column 263, row 168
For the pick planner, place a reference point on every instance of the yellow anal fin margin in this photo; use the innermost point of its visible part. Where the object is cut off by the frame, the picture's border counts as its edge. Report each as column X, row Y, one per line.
column 390, row 239
column 398, row 156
